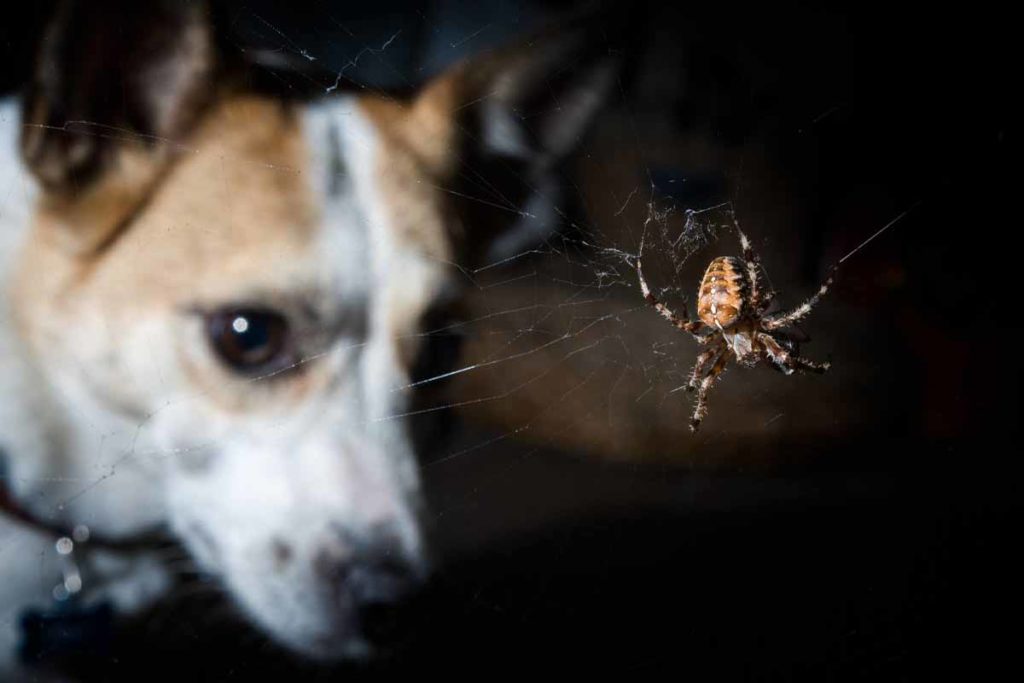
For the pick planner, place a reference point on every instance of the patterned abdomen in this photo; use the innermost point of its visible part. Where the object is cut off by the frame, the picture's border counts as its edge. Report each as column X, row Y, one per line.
column 723, row 292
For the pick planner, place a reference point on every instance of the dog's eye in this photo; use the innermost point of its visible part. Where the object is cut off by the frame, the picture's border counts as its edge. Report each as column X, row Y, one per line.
column 250, row 340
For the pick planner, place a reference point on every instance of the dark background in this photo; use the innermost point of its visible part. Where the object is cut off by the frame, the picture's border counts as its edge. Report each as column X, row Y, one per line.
column 882, row 549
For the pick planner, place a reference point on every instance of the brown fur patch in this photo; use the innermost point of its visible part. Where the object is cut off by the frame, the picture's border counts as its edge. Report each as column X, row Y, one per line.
column 230, row 217
column 234, row 192
column 416, row 155
column 424, row 127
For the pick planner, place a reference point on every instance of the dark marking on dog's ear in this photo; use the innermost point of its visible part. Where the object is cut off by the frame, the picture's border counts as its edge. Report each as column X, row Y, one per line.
column 519, row 113
column 112, row 73
column 534, row 102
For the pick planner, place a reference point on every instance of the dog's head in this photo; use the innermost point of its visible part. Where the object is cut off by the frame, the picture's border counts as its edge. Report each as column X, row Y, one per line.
column 252, row 287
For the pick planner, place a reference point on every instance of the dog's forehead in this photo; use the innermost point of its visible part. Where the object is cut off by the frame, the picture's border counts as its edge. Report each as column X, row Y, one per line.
column 258, row 200
column 266, row 196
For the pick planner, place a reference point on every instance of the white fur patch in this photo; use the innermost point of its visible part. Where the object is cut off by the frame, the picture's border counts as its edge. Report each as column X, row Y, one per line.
column 231, row 483
column 39, row 471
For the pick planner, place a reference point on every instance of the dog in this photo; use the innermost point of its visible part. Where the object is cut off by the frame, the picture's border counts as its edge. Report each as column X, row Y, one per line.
column 222, row 302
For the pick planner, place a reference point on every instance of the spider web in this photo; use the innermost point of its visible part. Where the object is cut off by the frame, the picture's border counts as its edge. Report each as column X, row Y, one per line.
column 570, row 304
column 563, row 352
column 586, row 308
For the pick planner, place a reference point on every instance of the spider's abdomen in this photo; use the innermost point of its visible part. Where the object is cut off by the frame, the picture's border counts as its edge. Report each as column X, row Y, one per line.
column 723, row 292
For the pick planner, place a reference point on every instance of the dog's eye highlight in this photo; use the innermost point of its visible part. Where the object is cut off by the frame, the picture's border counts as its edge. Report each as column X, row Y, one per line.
column 250, row 340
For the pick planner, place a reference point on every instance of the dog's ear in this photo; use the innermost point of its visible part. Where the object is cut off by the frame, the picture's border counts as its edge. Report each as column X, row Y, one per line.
column 109, row 70
column 116, row 82
column 498, row 126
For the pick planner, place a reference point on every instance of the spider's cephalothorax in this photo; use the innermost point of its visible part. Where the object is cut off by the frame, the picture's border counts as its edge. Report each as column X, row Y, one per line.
column 734, row 322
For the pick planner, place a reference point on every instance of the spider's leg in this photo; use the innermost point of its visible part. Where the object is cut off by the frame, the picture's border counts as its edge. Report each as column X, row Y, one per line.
column 765, row 298
column 701, row 409
column 811, row 366
column 774, row 353
column 683, row 324
column 753, row 263
column 786, row 361
column 698, row 367
column 790, row 317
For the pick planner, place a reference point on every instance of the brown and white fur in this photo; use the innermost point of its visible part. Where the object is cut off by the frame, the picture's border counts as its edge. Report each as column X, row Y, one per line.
column 348, row 215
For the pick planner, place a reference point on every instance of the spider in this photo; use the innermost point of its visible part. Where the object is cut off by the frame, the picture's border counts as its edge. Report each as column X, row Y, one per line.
column 734, row 322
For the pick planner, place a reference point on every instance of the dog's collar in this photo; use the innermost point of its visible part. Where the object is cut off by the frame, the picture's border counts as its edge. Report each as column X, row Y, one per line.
column 73, row 626
column 9, row 506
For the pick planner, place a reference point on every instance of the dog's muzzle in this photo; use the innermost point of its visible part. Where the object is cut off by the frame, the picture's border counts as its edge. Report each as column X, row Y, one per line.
column 375, row 582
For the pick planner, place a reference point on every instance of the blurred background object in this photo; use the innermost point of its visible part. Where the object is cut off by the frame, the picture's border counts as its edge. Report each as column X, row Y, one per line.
column 857, row 524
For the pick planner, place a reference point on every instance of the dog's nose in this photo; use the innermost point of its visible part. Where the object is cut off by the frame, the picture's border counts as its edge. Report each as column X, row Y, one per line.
column 374, row 580
column 372, row 576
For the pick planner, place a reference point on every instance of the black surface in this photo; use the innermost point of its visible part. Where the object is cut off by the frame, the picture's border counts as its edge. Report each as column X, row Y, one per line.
column 813, row 575
column 889, row 559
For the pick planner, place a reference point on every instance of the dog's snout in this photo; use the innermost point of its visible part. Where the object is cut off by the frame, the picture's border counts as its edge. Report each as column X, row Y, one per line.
column 374, row 578
column 367, row 571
